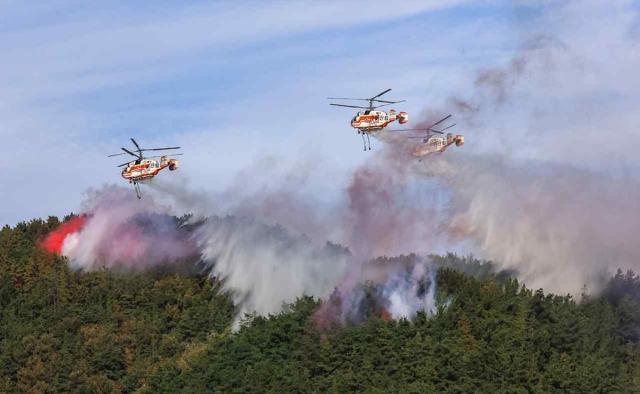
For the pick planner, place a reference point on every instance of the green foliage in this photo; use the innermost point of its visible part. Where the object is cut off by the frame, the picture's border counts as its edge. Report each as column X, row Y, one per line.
column 170, row 330
column 65, row 331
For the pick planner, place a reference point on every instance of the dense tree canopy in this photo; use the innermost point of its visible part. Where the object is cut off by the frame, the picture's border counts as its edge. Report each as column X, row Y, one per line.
column 169, row 329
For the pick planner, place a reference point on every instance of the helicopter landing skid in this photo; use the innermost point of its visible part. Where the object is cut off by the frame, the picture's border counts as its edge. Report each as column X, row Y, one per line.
column 136, row 187
column 367, row 142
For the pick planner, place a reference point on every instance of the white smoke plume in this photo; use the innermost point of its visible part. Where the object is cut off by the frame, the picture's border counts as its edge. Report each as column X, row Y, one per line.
column 265, row 266
column 412, row 292
column 387, row 288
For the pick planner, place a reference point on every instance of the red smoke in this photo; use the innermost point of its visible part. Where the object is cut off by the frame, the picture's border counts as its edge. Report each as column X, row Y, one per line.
column 53, row 241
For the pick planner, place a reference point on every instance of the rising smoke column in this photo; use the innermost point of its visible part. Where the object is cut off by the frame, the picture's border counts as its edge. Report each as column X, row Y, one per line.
column 410, row 290
column 264, row 266
column 390, row 210
column 388, row 288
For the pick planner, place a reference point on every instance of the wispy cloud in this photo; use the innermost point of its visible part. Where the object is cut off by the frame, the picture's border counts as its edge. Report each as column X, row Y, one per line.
column 100, row 47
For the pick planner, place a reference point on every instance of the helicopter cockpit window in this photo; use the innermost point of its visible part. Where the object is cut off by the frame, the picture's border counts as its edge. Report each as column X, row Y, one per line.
column 367, row 112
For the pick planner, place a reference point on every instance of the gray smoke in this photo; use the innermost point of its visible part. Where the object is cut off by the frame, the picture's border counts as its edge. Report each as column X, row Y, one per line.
column 559, row 227
column 273, row 245
column 387, row 288
column 547, row 182
column 265, row 266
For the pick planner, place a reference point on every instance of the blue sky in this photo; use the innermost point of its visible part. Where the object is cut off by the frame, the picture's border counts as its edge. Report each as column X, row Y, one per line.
column 233, row 82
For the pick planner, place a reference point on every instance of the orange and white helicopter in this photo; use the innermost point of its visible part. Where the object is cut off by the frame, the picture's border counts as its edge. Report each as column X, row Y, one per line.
column 435, row 143
column 371, row 120
column 143, row 169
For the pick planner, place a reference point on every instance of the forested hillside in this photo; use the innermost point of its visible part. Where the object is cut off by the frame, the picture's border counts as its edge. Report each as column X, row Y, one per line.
column 169, row 330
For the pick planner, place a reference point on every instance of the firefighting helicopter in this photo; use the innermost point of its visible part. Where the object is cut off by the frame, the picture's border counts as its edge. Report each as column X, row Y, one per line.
column 435, row 143
column 143, row 169
column 371, row 120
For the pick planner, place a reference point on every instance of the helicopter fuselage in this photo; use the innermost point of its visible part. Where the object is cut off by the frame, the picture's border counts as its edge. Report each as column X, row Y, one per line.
column 437, row 144
column 145, row 169
column 371, row 121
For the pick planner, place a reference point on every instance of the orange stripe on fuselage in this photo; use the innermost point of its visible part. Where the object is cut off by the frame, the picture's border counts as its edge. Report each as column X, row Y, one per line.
column 373, row 128
column 141, row 167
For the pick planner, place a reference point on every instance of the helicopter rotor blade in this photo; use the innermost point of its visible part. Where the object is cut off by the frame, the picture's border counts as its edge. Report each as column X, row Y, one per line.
column 348, row 106
column 446, row 128
column 440, row 121
column 380, row 94
column 389, row 102
column 380, row 106
column 116, row 154
column 150, row 157
column 150, row 149
column 175, row 154
column 423, row 130
column 347, row 98
column 131, row 153
column 138, row 147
